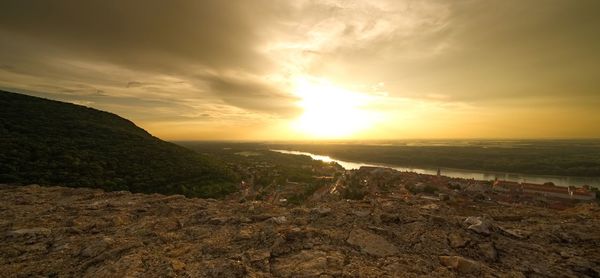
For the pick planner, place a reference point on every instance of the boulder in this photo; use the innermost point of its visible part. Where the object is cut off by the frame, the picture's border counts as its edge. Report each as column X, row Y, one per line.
column 371, row 243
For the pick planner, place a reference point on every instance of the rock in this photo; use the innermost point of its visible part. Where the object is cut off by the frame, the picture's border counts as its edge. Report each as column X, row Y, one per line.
column 81, row 223
column 246, row 232
column 371, row 244
column 33, row 232
column 190, row 237
column 298, row 212
column 438, row 220
column 478, row 225
column 362, row 213
column 443, row 197
column 460, row 264
column 507, row 218
column 430, row 207
column 258, row 255
column 456, row 240
column 177, row 265
column 419, row 187
column 258, row 259
column 309, row 263
column 218, row 220
column 518, row 234
column 565, row 254
column 320, row 211
column 583, row 266
column 120, row 220
column 95, row 248
column 488, row 251
column 261, row 217
column 278, row 220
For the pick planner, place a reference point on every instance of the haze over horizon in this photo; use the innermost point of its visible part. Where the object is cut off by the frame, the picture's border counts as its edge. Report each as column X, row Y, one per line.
column 308, row 70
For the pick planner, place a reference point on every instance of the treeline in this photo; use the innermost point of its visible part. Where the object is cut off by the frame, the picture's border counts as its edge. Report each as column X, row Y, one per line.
column 266, row 167
column 54, row 143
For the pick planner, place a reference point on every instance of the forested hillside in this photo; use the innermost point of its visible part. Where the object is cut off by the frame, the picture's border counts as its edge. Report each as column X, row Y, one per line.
column 55, row 143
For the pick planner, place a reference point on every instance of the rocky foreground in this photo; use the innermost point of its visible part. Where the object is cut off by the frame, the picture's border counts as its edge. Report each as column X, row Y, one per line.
column 65, row 232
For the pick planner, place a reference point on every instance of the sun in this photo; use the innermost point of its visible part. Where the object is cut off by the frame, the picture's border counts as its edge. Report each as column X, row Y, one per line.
column 330, row 111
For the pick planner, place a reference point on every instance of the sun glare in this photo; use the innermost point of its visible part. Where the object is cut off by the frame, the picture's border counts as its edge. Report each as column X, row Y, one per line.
column 330, row 111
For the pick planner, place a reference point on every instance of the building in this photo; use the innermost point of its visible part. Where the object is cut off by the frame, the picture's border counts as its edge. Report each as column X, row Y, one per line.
column 546, row 190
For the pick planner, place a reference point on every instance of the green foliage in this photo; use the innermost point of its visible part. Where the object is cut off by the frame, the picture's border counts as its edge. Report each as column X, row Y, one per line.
column 265, row 168
column 55, row 143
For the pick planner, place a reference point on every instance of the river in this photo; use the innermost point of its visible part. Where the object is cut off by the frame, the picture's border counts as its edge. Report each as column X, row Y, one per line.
column 461, row 173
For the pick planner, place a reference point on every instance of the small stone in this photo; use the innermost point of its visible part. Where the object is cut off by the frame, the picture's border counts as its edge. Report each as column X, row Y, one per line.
column 218, row 220
column 308, row 263
column 258, row 255
column 460, row 264
column 177, row 265
column 488, row 251
column 95, row 248
column 33, row 232
column 120, row 220
column 518, row 234
column 478, row 225
column 361, row 213
column 430, row 207
column 279, row 220
column 456, row 240
column 321, row 211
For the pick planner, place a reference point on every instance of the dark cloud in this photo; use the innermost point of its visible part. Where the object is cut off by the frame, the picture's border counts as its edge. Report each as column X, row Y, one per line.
column 151, row 37
column 252, row 95
column 145, row 34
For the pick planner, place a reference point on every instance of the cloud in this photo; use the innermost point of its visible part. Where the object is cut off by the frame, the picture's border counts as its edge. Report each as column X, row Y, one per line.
column 472, row 50
column 157, row 61
column 252, row 94
column 145, row 34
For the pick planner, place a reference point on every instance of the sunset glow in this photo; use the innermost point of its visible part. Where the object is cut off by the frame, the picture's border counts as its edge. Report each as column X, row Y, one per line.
column 330, row 111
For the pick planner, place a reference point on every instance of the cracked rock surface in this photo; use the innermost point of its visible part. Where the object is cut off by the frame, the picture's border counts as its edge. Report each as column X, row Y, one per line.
column 67, row 232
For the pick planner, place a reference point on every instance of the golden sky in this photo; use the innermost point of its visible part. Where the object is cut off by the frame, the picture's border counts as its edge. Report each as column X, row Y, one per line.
column 268, row 70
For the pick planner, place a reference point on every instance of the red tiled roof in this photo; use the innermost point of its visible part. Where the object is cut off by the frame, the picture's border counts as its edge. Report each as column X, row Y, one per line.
column 544, row 188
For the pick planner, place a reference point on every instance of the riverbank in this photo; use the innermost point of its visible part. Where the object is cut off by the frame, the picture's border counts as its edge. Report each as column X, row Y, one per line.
column 461, row 173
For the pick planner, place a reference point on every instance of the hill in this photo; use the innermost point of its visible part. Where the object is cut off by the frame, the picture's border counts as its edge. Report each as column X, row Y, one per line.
column 55, row 143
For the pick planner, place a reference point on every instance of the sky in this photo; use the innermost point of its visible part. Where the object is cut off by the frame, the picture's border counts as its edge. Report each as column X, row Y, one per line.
column 296, row 70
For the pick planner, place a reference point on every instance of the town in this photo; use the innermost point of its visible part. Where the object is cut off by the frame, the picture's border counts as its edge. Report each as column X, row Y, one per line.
column 330, row 181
